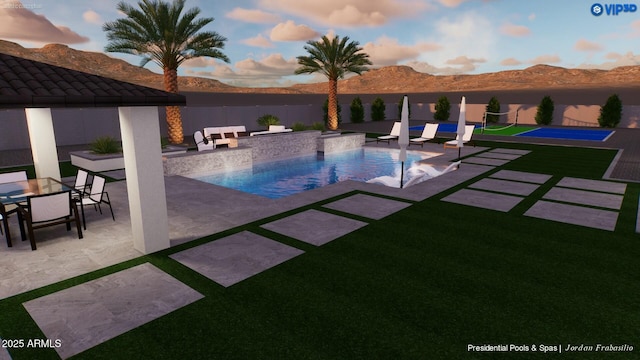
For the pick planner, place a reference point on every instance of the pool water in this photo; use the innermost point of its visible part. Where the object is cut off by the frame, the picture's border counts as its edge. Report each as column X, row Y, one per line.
column 282, row 178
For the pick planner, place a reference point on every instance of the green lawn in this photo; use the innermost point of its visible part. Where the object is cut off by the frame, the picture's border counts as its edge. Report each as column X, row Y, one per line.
column 504, row 131
column 422, row 283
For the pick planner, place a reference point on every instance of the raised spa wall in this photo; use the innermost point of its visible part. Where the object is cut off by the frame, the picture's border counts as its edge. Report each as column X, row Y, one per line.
column 262, row 148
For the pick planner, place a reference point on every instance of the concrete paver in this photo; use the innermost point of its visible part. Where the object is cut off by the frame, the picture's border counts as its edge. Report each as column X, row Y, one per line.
column 484, row 161
column 595, row 185
column 505, row 186
column 521, row 176
column 483, row 199
column 582, row 197
column 372, row 207
column 572, row 214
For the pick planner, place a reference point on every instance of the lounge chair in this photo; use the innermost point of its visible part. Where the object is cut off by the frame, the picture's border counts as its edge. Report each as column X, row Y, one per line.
column 468, row 132
column 429, row 133
column 395, row 133
column 202, row 142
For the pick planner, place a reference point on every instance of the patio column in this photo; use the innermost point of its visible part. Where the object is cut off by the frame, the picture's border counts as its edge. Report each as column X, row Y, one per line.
column 140, row 130
column 43, row 142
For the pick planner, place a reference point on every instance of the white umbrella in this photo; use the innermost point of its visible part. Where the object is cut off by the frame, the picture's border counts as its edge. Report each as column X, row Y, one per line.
column 462, row 121
column 403, row 139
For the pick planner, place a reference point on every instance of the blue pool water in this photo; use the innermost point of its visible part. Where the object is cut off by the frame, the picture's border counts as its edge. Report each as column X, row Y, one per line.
column 281, row 178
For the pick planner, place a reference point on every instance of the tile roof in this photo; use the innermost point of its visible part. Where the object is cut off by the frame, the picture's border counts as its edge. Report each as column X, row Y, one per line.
column 29, row 83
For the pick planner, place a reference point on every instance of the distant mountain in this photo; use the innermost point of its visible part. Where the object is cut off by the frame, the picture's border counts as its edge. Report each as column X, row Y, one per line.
column 390, row 79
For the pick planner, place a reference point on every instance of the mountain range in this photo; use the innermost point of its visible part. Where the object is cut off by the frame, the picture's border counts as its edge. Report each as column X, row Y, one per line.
column 384, row 80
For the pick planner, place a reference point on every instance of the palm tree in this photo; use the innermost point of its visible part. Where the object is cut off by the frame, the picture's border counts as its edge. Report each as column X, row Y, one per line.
column 333, row 58
column 159, row 32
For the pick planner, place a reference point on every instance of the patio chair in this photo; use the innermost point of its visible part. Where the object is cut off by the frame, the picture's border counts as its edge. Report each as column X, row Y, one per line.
column 202, row 142
column 7, row 210
column 80, row 183
column 13, row 176
column 429, row 133
column 395, row 133
column 96, row 196
column 49, row 210
column 466, row 138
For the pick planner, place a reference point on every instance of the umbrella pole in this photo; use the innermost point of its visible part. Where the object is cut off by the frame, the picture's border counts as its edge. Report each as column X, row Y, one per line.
column 401, row 175
column 458, row 153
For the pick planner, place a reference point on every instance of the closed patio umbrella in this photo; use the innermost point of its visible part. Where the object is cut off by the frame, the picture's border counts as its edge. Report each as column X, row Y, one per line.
column 403, row 139
column 462, row 121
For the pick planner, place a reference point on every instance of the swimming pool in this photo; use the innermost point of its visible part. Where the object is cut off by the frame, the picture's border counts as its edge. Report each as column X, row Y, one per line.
column 282, row 178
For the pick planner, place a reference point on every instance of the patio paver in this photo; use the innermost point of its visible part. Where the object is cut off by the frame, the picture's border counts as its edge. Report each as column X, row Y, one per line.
column 4, row 353
column 510, row 151
column 372, row 207
column 485, row 161
column 237, row 257
column 521, row 176
column 89, row 314
column 573, row 214
column 595, row 185
column 582, row 197
column 498, row 155
column 505, row 186
column 483, row 199
column 314, row 227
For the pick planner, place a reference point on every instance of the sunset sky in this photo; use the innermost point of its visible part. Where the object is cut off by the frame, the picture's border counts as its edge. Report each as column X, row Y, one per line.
column 439, row 37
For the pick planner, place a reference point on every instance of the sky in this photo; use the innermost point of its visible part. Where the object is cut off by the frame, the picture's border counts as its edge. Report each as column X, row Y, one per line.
column 439, row 37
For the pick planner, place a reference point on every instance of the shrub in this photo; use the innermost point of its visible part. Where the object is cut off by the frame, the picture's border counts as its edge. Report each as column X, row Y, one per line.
column 400, row 107
column 298, row 126
column 494, row 107
column 443, row 109
column 377, row 110
column 357, row 111
column 544, row 114
column 268, row 119
column 105, row 145
column 318, row 126
column 611, row 112
column 325, row 109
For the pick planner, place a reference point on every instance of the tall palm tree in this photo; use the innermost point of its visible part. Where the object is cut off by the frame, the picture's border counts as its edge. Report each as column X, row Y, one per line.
column 333, row 58
column 160, row 32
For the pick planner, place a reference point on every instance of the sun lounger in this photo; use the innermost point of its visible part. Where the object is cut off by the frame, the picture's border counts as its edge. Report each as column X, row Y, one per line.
column 468, row 132
column 395, row 133
column 429, row 133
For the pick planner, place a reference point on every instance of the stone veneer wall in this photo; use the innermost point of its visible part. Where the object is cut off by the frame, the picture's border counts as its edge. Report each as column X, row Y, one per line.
column 282, row 145
column 336, row 143
column 216, row 160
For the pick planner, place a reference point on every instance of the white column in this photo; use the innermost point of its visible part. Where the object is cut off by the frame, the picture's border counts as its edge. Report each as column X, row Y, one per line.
column 43, row 142
column 142, row 151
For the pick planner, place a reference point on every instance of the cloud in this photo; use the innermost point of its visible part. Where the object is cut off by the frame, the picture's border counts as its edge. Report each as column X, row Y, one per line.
column 355, row 13
column 545, row 59
column 20, row 23
column 627, row 59
column 532, row 16
column 515, row 30
column 92, row 17
column 258, row 41
column 200, row 62
column 510, row 62
column 584, row 45
column 289, row 31
column 387, row 51
column 451, row 3
column 253, row 16
column 635, row 28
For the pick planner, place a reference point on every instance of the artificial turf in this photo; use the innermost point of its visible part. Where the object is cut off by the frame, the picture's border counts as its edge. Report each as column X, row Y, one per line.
column 423, row 283
column 502, row 130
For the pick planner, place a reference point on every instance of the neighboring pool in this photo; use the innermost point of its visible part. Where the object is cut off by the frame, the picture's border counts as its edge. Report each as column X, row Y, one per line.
column 282, row 178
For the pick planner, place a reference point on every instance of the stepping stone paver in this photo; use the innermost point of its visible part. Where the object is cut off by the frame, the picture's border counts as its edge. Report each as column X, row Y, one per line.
column 237, row 257
column 4, row 353
column 485, row 161
column 505, row 186
column 595, row 185
column 521, row 176
column 483, row 199
column 572, row 214
column 582, row 197
column 372, row 207
column 495, row 155
column 89, row 314
column 314, row 227
column 510, row 151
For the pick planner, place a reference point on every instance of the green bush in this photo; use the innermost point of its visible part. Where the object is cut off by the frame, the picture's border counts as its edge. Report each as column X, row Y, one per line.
column 611, row 112
column 357, row 111
column 378, row 110
column 443, row 109
column 268, row 119
column 325, row 110
column 105, row 145
column 494, row 107
column 298, row 126
column 400, row 107
column 544, row 114
column 318, row 126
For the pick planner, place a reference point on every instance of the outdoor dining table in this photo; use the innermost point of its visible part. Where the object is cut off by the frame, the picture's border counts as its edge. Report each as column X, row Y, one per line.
column 18, row 191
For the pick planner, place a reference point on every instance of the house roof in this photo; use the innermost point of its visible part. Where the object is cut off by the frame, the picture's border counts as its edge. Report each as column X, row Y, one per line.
column 28, row 83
